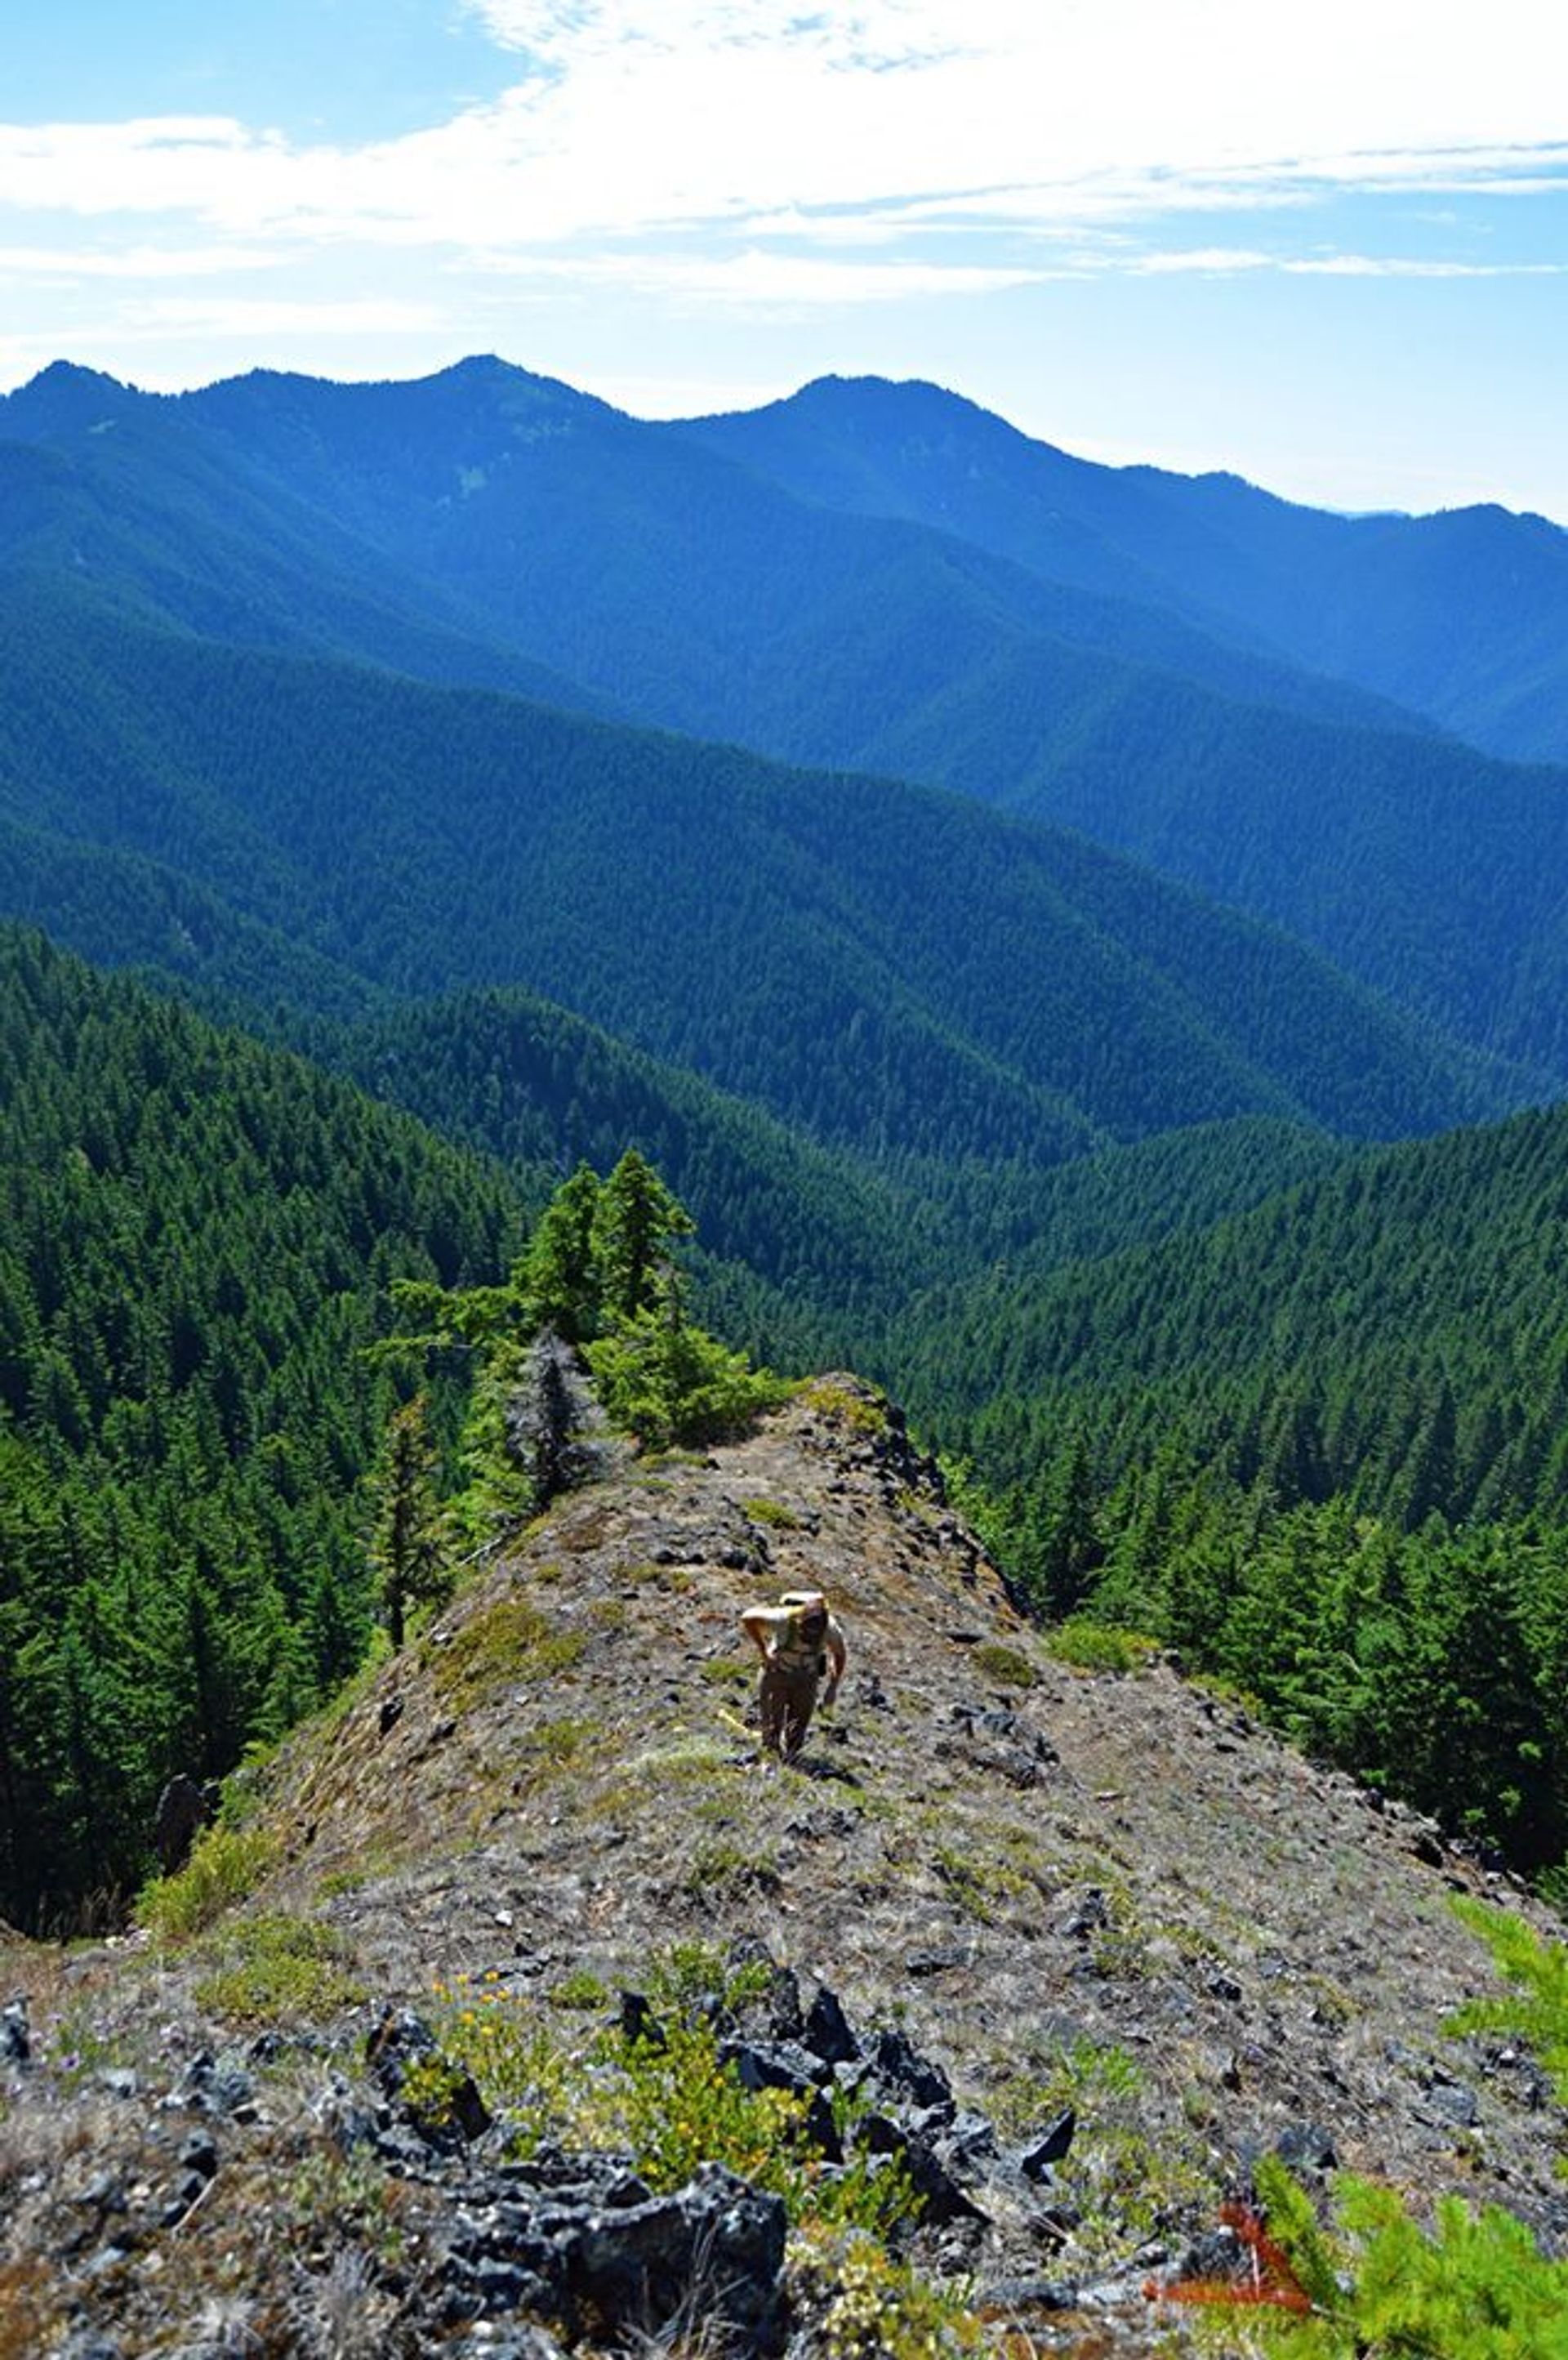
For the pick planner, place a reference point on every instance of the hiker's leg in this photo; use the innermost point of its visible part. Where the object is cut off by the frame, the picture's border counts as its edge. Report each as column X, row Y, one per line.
column 800, row 1702
column 772, row 1705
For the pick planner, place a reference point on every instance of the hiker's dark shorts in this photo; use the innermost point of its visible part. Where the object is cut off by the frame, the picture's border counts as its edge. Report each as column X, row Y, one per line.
column 787, row 1701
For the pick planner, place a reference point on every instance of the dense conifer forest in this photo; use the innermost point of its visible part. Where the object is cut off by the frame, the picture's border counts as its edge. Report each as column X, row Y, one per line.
column 1320, row 1448
column 991, row 987
column 198, row 1237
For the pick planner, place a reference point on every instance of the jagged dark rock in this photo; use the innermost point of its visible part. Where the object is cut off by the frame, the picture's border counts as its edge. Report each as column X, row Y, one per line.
column 826, row 2031
column 220, row 2085
column 199, row 2153
column 1051, row 2146
column 783, row 2065
column 398, row 2040
column 776, row 2012
column 713, row 2250
column 895, row 2066
column 182, row 1809
column 403, row 2039
column 1306, row 2146
column 582, row 2241
column 942, row 2198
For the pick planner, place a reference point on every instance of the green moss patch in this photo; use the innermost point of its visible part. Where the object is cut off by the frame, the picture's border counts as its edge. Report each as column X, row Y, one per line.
column 1006, row 1665
column 512, row 1641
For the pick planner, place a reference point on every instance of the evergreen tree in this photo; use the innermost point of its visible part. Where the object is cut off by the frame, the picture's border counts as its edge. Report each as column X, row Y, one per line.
column 635, row 1222
column 561, row 1275
column 407, row 1545
column 667, row 1382
column 1073, row 1549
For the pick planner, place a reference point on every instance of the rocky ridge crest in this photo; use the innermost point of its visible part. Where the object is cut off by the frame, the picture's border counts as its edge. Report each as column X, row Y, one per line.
column 1086, row 1945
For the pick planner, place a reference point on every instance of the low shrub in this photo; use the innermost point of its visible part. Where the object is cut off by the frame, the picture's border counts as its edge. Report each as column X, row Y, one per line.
column 226, row 1865
column 774, row 1513
column 863, row 2304
column 1476, row 2288
column 281, row 1969
column 666, row 2098
column 1090, row 1646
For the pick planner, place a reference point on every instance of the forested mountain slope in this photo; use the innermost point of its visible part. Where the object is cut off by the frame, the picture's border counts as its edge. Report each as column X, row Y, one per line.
column 805, row 1254
column 698, row 592
column 645, row 567
column 266, row 507
column 106, row 489
column 1399, row 1318
column 805, row 1251
column 122, row 909
column 1319, row 1448
column 983, row 988
column 1462, row 615
column 196, row 1243
column 1439, row 876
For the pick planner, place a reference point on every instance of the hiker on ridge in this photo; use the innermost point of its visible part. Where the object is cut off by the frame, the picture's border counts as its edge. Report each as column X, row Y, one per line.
column 798, row 1639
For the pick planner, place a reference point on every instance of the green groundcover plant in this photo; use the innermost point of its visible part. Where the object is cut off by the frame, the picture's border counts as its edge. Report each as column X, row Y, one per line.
column 1374, row 2285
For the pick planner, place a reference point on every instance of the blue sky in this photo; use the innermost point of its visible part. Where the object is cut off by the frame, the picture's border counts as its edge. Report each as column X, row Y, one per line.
column 1325, row 247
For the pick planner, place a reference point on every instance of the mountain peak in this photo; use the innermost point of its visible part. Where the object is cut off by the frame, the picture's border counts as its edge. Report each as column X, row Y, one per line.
column 63, row 398
column 395, row 417
column 889, row 401
column 509, row 381
column 481, row 366
column 872, row 387
column 62, row 375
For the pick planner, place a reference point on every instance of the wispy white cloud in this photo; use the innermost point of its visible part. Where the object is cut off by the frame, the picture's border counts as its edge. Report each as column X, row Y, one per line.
column 156, row 164
column 1209, row 261
column 68, row 263
column 877, row 131
column 1226, row 262
column 756, row 278
column 1068, row 203
column 246, row 317
column 873, row 36
column 1478, row 168
column 1395, row 266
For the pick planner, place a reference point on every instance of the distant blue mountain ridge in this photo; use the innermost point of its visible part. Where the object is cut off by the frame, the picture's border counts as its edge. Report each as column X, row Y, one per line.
column 1262, row 700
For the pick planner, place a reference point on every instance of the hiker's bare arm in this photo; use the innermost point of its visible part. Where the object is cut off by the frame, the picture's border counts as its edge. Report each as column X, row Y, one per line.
column 759, row 1623
column 840, row 1655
